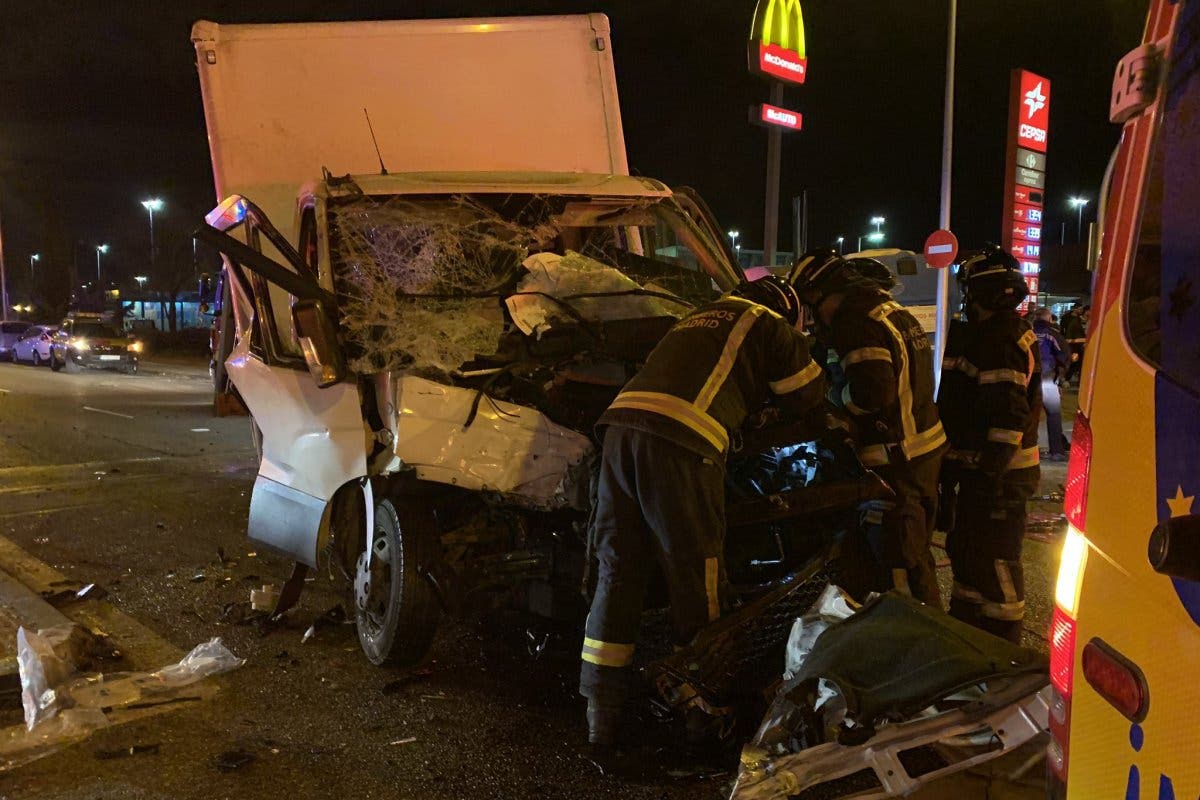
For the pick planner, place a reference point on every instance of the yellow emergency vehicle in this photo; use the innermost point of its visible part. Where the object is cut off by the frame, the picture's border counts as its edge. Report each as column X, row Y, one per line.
column 1125, row 637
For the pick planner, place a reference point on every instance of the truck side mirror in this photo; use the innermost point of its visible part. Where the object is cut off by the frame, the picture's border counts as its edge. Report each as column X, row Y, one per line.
column 319, row 342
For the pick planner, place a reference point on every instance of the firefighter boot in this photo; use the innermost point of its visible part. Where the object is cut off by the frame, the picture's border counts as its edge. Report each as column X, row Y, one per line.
column 603, row 721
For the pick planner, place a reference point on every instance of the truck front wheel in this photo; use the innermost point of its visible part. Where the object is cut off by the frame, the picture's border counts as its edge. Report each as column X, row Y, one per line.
column 396, row 609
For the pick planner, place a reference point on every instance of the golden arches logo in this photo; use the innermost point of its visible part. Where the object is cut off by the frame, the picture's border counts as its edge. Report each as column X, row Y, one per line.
column 780, row 23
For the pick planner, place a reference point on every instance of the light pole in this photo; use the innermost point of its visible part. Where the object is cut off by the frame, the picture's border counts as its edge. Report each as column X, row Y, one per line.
column 733, row 237
column 874, row 237
column 840, row 240
column 141, row 282
column 1078, row 203
column 152, row 205
column 100, row 250
column 33, row 257
column 878, row 222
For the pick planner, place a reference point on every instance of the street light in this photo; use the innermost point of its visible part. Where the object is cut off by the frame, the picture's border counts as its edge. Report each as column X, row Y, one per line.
column 733, row 237
column 1079, row 203
column 877, row 222
column 100, row 249
column 152, row 205
column 840, row 239
column 874, row 237
column 33, row 257
column 141, row 281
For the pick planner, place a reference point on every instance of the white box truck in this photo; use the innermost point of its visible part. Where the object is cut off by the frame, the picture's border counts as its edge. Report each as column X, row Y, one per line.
column 431, row 311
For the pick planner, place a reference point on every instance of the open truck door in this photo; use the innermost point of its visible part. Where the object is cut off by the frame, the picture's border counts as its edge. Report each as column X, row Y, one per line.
column 287, row 365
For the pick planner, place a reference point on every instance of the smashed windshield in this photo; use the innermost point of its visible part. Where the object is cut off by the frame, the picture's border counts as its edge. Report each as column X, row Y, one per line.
column 429, row 282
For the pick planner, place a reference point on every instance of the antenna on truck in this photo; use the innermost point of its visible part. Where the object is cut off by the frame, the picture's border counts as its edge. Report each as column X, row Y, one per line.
column 382, row 168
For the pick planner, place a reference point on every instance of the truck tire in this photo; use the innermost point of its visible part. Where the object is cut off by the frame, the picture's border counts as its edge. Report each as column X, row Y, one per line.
column 55, row 364
column 396, row 608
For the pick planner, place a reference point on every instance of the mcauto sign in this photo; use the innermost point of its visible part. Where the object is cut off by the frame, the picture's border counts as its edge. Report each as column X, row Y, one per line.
column 776, row 117
column 777, row 48
column 1025, row 173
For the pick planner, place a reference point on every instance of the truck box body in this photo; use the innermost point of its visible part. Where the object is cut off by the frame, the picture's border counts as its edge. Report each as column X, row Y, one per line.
column 519, row 94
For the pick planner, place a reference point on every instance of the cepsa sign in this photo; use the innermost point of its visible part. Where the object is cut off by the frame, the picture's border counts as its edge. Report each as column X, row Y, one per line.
column 777, row 48
column 1034, row 121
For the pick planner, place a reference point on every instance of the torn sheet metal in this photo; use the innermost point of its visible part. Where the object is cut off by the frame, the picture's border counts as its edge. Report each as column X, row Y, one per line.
column 575, row 274
column 506, row 448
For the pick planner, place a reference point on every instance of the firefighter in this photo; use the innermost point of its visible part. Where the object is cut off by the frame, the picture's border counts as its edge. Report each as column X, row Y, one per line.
column 991, row 402
column 661, row 493
column 887, row 360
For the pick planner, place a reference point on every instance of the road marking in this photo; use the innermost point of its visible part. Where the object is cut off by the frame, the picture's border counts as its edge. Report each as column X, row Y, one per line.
column 36, row 469
column 4, row 391
column 200, row 430
column 110, row 413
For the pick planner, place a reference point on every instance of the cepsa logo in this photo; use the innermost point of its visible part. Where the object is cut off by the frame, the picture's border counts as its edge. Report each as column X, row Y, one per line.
column 1034, row 119
column 777, row 46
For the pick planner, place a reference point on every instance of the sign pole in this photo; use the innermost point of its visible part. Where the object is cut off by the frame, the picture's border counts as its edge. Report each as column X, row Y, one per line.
column 942, row 328
column 774, row 162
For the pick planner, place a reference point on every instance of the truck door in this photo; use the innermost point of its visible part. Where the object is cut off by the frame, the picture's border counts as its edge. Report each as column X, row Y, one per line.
column 311, row 439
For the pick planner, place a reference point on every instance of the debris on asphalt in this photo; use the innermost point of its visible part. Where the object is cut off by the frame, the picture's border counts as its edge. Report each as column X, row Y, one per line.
column 233, row 760
column 198, row 577
column 224, row 560
column 264, row 599
column 162, row 526
column 334, row 616
column 62, row 707
column 91, row 592
column 536, row 643
column 408, row 740
column 126, row 752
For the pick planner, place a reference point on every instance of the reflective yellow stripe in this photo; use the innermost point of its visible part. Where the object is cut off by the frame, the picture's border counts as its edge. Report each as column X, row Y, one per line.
column 849, row 403
column 798, row 381
column 607, row 654
column 728, row 356
column 710, row 588
column 1027, row 339
column 1008, row 587
column 1029, row 457
column 1003, row 376
column 867, row 354
column 908, row 423
column 1005, row 436
column 1008, row 612
column 679, row 410
column 925, row 442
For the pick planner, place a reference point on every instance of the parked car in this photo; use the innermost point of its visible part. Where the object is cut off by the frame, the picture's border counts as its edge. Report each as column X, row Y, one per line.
column 34, row 345
column 10, row 332
column 92, row 341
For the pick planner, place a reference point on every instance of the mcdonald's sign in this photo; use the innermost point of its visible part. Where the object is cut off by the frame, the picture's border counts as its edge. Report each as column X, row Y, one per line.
column 777, row 48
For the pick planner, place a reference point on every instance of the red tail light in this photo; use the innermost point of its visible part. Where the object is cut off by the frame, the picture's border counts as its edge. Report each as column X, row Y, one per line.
column 1076, row 489
column 1062, row 652
column 1117, row 679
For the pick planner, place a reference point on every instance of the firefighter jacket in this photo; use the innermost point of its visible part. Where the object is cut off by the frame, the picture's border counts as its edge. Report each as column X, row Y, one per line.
column 715, row 367
column 991, row 395
column 887, row 360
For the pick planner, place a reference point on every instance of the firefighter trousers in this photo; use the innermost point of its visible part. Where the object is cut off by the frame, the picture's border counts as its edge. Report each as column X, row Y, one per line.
column 658, row 504
column 900, row 531
column 985, row 550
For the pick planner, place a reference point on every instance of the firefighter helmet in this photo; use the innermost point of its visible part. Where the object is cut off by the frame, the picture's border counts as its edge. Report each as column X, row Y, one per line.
column 991, row 278
column 875, row 272
column 774, row 293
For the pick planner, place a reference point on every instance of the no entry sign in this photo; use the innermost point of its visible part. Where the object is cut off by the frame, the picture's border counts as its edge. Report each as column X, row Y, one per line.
column 941, row 248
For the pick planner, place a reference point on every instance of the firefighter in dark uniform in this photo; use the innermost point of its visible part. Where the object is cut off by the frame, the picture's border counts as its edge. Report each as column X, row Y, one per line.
column 991, row 403
column 888, row 364
column 661, row 494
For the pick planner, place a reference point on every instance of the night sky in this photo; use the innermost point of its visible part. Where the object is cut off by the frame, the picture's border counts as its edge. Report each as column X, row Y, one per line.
column 100, row 108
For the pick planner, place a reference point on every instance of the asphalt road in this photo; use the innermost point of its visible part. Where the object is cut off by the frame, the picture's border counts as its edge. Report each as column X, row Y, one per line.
column 129, row 482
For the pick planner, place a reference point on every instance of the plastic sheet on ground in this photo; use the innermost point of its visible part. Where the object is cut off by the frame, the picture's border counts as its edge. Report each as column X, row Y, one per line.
column 832, row 606
column 534, row 310
column 61, row 708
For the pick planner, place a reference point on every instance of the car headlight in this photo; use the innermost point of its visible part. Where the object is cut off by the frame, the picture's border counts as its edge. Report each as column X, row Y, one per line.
column 80, row 344
column 135, row 347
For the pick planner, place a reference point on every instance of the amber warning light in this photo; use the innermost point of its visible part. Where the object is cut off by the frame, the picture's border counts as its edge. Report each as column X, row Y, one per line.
column 777, row 117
